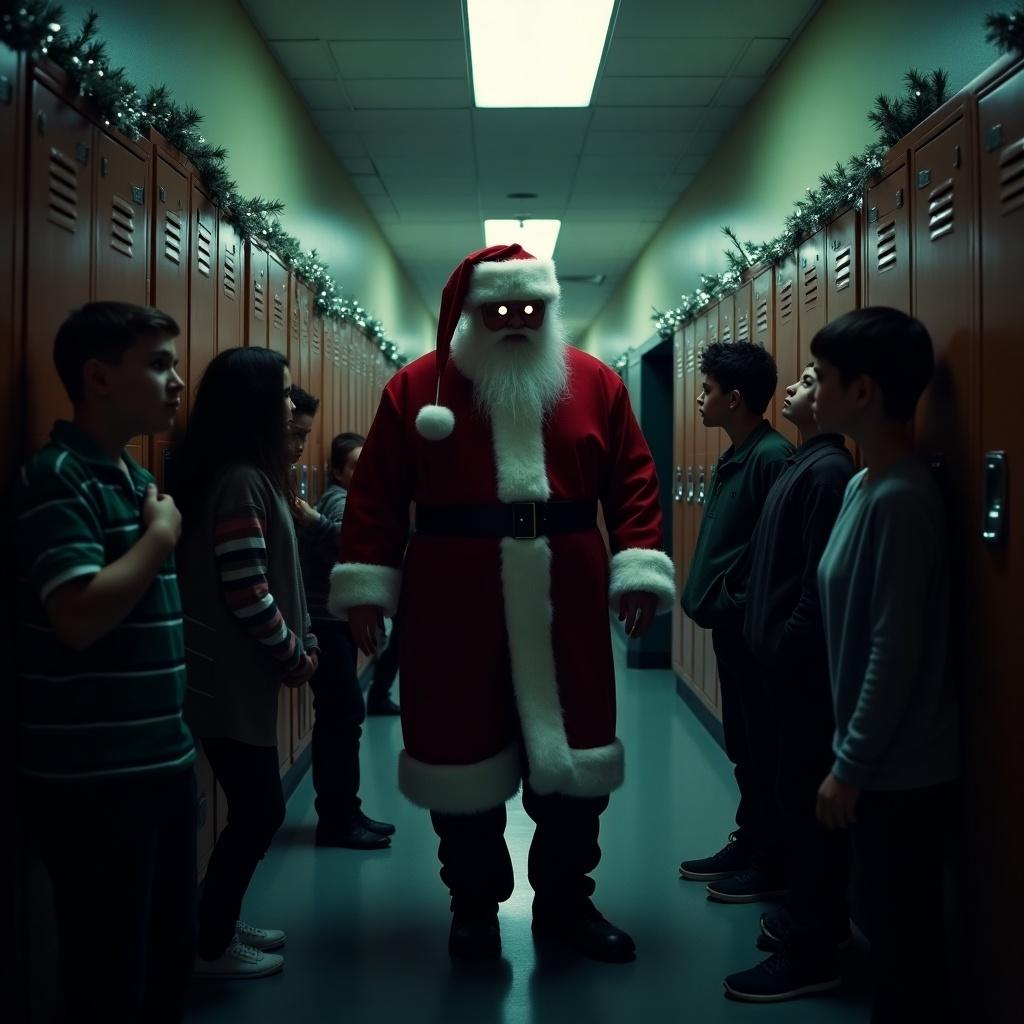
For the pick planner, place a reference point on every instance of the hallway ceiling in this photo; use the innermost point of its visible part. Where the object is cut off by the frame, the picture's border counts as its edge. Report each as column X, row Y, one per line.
column 388, row 84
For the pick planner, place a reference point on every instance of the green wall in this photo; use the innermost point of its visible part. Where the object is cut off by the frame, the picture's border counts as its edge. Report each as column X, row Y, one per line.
column 810, row 113
column 210, row 55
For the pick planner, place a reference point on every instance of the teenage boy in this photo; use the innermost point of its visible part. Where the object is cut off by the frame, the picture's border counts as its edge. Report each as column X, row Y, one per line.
column 885, row 597
column 338, row 707
column 784, row 632
column 107, row 784
column 739, row 381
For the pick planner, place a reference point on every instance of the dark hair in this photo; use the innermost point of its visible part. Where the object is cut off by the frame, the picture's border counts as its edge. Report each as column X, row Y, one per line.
column 237, row 416
column 304, row 402
column 342, row 447
column 740, row 366
column 104, row 331
column 890, row 347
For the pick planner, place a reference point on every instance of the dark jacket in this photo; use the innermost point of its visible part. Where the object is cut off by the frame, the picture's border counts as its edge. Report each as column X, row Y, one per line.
column 783, row 614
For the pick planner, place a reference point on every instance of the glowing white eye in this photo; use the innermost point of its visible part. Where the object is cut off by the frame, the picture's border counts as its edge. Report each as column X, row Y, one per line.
column 527, row 310
column 503, row 311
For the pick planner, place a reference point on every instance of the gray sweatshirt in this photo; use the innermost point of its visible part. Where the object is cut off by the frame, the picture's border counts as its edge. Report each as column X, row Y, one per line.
column 884, row 585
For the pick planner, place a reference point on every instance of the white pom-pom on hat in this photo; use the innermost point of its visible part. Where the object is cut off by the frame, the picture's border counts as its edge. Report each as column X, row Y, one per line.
column 435, row 422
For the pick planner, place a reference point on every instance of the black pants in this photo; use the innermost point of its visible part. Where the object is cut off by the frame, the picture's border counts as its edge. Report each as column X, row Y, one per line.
column 751, row 744
column 902, row 842
column 122, row 860
column 819, row 857
column 387, row 666
column 475, row 862
column 251, row 780
column 339, row 714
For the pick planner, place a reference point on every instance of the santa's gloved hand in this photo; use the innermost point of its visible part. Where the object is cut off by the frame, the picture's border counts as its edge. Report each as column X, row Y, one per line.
column 366, row 623
column 636, row 610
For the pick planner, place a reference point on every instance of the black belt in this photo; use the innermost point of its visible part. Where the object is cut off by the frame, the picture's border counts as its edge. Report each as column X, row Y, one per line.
column 523, row 520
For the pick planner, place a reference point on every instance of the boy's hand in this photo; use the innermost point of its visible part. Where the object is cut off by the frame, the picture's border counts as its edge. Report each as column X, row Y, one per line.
column 837, row 803
column 161, row 515
column 637, row 609
column 304, row 513
column 366, row 623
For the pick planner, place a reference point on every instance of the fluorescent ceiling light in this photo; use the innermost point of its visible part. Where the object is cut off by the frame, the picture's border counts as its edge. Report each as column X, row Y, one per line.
column 536, row 53
column 535, row 236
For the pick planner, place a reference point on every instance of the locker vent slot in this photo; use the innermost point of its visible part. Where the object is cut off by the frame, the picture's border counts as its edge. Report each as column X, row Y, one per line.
column 844, row 268
column 229, row 275
column 743, row 328
column 679, row 358
column 726, row 334
column 259, row 302
column 172, row 237
column 204, row 249
column 887, row 246
column 810, row 286
column 940, row 210
column 762, row 315
column 278, row 312
column 786, row 300
column 1011, row 177
column 63, row 198
column 122, row 226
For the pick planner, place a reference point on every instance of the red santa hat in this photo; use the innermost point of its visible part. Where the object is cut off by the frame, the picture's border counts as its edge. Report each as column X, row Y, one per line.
column 499, row 273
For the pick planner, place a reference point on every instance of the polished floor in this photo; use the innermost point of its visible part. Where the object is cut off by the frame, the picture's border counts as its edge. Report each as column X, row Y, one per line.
column 367, row 932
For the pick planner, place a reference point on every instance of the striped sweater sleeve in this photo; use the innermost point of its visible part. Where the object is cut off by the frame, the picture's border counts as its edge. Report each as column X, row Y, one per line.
column 240, row 550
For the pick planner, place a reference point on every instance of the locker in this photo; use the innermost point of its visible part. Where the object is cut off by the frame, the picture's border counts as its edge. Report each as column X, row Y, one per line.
column 700, row 470
column 202, row 311
column 257, row 294
column 994, row 702
column 314, row 450
column 348, row 380
column 169, row 260
column 726, row 319
column 743, row 330
column 277, row 331
column 763, row 290
column 325, row 420
column 811, row 295
column 842, row 265
column 713, row 319
column 787, row 319
column 887, row 241
column 59, row 224
column 687, row 425
column 678, row 492
column 230, row 285
column 717, row 441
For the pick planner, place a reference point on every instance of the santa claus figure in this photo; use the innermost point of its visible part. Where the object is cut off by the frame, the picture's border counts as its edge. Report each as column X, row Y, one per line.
column 506, row 448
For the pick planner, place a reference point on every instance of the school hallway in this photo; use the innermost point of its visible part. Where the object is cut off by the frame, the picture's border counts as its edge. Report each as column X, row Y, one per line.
column 367, row 932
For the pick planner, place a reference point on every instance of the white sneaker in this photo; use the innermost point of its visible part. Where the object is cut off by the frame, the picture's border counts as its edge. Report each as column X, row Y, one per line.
column 239, row 961
column 259, row 938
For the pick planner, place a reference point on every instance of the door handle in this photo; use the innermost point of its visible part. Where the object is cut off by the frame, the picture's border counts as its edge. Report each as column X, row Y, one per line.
column 304, row 482
column 689, row 485
column 993, row 524
column 677, row 490
column 700, row 485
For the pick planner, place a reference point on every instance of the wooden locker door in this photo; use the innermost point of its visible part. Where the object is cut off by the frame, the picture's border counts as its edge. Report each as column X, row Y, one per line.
column 325, row 420
column 678, row 493
column 887, row 242
column 726, row 319
column 277, row 335
column 302, row 378
column 763, row 315
column 994, row 699
column 170, row 262
column 842, row 266
column 687, row 419
column 314, row 451
column 713, row 324
column 230, row 284
column 811, row 317
column 787, row 320
column 59, row 237
column 700, row 476
column 202, row 302
column 743, row 330
column 257, row 295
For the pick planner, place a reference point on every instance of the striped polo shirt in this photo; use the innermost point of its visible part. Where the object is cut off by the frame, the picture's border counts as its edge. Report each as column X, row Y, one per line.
column 113, row 710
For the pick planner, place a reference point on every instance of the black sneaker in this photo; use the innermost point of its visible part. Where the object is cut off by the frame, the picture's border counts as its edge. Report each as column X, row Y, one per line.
column 748, row 886
column 474, row 937
column 781, row 977
column 775, row 927
column 733, row 858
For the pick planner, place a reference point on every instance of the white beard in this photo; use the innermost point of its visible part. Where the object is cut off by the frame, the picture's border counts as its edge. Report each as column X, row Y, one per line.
column 520, row 380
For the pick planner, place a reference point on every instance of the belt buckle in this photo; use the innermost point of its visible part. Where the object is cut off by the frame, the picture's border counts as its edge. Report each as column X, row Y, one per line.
column 520, row 522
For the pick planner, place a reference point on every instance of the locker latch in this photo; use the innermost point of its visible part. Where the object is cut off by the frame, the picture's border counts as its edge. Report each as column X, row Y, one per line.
column 899, row 198
column 104, row 166
column 994, row 137
column 994, row 499
column 82, row 153
column 924, row 178
column 873, row 215
column 163, row 194
column 139, row 194
column 6, row 90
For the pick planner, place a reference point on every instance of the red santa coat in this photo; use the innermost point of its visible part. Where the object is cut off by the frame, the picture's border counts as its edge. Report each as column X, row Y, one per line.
column 506, row 644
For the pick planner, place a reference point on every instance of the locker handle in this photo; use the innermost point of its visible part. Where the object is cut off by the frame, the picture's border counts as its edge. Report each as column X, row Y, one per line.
column 993, row 525
column 104, row 166
column 700, row 486
column 41, row 120
column 316, row 483
column 677, row 490
column 303, row 481
column 689, row 485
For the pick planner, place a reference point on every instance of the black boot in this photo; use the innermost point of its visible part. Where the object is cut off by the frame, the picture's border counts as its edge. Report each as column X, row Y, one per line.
column 382, row 828
column 350, row 835
column 583, row 928
column 474, row 937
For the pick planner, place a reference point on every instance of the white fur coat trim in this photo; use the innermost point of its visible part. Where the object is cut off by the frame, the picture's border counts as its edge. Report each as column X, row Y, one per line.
column 360, row 583
column 461, row 789
column 643, row 569
column 513, row 279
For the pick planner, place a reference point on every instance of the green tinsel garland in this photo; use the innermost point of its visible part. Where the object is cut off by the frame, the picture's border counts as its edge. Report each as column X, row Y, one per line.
column 35, row 28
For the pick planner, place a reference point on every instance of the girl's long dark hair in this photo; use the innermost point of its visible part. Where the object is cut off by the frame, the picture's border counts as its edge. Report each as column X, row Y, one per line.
column 237, row 416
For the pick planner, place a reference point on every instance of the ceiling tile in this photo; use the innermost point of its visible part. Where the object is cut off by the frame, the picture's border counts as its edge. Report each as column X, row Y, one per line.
column 738, row 92
column 703, row 144
column 656, row 92
column 304, row 58
column 358, row 165
column 345, row 144
column 626, row 163
column 322, row 95
column 541, row 146
column 382, row 208
column 720, row 119
column 646, row 119
column 760, row 56
column 525, row 166
column 499, row 121
column 401, row 58
column 368, row 184
column 656, row 18
column 673, row 56
column 405, row 181
column 653, row 143
column 407, row 93
column 417, row 144
column 422, row 167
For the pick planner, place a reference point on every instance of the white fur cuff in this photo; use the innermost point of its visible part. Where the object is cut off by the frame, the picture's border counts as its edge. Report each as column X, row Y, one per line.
column 513, row 279
column 643, row 569
column 357, row 583
column 461, row 789
column 595, row 771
